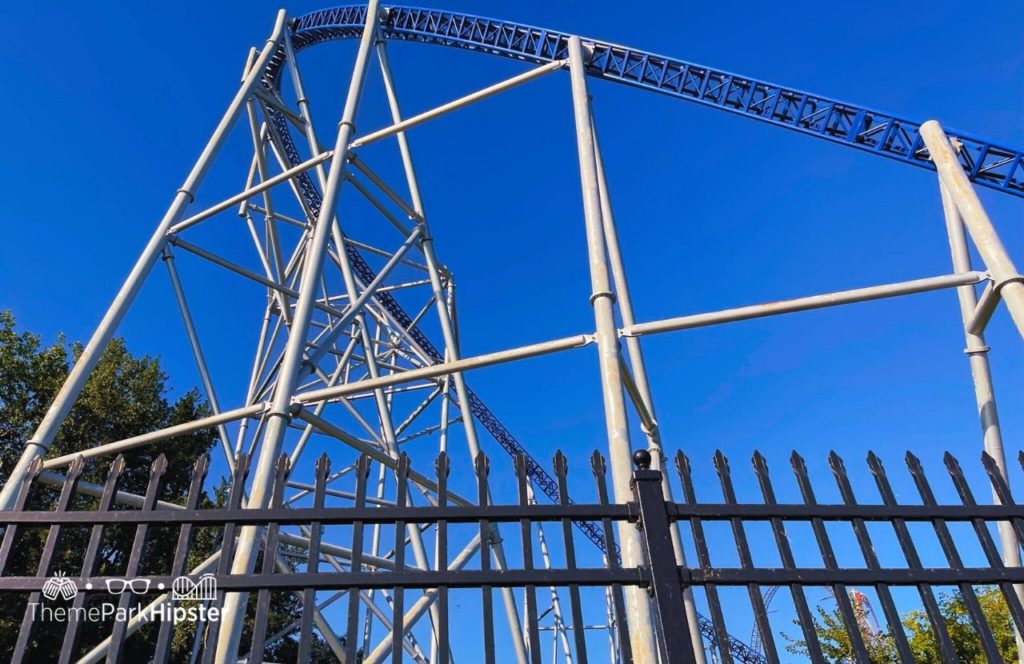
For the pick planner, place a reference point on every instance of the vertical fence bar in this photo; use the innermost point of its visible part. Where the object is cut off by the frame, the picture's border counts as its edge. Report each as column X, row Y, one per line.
column 67, row 492
column 321, row 470
column 89, row 563
column 259, row 627
column 597, row 465
column 482, row 466
column 118, row 633
column 988, row 546
column 356, row 566
column 526, row 531
column 1002, row 491
column 675, row 643
column 746, row 560
column 931, row 606
column 227, row 546
column 195, row 491
column 575, row 606
column 839, row 591
column 892, row 616
column 11, row 531
column 398, row 596
column 442, row 467
column 704, row 559
column 807, row 625
column 948, row 545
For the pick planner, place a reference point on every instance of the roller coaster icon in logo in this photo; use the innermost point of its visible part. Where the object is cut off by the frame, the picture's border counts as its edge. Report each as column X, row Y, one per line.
column 185, row 588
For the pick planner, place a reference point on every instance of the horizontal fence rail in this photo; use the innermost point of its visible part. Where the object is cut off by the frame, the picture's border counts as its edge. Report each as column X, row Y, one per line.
column 754, row 529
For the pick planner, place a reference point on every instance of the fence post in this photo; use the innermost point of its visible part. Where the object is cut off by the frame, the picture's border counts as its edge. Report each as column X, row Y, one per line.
column 666, row 583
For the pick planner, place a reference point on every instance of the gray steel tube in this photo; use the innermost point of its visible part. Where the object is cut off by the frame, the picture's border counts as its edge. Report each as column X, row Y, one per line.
column 640, row 388
column 400, row 126
column 279, row 414
column 805, row 303
column 981, row 376
column 47, row 429
column 435, row 370
column 1007, row 280
column 602, row 300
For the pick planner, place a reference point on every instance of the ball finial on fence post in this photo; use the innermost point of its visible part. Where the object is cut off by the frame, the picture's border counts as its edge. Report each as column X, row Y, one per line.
column 642, row 459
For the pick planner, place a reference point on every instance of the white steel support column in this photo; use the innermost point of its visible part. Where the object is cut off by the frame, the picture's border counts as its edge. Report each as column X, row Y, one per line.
column 280, row 414
column 356, row 312
column 1008, row 282
column 43, row 437
column 639, row 369
column 450, row 339
column 984, row 393
column 638, row 610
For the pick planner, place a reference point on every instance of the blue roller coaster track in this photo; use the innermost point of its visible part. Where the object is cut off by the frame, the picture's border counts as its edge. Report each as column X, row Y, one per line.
column 986, row 164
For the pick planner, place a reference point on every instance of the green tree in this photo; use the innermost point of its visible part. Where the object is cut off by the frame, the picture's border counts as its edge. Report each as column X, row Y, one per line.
column 125, row 396
column 836, row 647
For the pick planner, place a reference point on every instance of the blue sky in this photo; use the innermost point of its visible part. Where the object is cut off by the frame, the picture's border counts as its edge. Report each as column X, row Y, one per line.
column 109, row 106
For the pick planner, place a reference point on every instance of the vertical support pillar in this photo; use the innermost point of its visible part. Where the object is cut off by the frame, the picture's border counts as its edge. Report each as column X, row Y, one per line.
column 43, row 437
column 279, row 415
column 606, row 334
column 984, row 393
column 448, row 332
column 674, row 642
column 380, row 399
column 639, row 367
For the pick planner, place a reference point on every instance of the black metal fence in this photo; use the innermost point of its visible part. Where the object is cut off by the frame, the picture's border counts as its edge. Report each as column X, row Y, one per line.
column 751, row 528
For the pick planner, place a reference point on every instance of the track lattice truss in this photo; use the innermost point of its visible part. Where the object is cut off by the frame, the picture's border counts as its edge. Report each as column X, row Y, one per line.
column 986, row 163
column 358, row 343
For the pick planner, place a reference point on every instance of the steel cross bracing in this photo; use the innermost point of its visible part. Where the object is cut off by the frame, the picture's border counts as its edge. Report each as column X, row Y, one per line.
column 501, row 434
column 986, row 163
column 537, row 473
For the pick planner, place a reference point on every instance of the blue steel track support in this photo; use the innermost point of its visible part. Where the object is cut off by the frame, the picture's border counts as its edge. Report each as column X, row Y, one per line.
column 985, row 163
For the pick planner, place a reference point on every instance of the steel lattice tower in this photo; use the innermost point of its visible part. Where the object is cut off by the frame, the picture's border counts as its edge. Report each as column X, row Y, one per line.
column 359, row 341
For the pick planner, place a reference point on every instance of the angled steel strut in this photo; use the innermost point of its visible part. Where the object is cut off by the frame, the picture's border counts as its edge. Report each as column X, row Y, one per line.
column 985, row 163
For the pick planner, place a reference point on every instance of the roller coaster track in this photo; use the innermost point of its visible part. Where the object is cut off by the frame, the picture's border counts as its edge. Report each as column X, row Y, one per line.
column 986, row 164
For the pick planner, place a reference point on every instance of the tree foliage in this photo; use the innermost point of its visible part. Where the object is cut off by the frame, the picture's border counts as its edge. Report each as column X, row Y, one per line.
column 124, row 396
column 836, row 645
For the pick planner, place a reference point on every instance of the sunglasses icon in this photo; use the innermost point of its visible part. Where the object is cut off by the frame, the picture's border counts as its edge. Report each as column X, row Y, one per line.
column 118, row 586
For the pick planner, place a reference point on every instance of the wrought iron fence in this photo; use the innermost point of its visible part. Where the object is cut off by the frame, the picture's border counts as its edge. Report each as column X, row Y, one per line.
column 662, row 574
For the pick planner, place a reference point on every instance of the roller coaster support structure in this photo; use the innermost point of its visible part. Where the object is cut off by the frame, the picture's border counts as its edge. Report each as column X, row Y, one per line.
column 962, row 208
column 352, row 296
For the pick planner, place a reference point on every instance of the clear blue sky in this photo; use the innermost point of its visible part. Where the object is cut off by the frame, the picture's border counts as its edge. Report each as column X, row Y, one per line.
column 109, row 105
